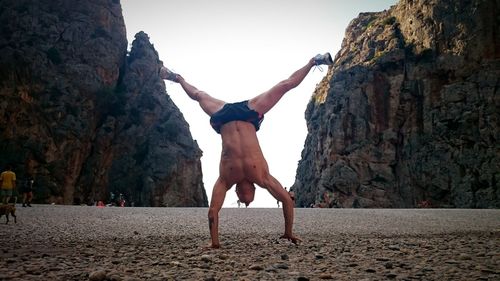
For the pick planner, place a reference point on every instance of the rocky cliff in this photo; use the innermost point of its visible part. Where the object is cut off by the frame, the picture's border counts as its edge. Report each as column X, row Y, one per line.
column 408, row 115
column 85, row 116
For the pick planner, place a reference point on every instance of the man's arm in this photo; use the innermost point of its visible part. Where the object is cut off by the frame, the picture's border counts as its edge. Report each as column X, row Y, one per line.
column 288, row 206
column 282, row 195
column 218, row 196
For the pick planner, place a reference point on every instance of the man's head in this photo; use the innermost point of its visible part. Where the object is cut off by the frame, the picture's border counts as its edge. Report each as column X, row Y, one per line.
column 245, row 191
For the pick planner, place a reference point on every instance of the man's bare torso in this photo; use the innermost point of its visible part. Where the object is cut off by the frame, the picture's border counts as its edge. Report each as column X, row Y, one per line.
column 242, row 157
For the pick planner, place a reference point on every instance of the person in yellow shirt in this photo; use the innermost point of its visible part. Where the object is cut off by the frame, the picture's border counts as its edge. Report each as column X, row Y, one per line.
column 8, row 183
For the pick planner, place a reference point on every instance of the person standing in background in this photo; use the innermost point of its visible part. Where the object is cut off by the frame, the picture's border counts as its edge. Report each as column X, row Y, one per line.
column 27, row 191
column 8, row 183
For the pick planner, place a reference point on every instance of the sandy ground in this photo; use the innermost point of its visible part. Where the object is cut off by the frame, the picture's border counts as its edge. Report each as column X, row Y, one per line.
column 90, row 243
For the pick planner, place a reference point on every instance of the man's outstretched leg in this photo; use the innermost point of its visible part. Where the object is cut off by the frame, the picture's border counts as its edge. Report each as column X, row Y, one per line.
column 265, row 101
column 208, row 103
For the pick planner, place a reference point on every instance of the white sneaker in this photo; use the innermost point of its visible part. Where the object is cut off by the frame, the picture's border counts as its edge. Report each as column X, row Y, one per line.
column 325, row 59
column 167, row 74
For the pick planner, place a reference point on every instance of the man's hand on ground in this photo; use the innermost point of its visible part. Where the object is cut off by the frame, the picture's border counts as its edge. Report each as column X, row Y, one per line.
column 295, row 240
column 210, row 247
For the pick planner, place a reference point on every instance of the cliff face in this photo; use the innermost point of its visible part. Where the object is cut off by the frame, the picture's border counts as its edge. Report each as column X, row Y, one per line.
column 409, row 113
column 86, row 117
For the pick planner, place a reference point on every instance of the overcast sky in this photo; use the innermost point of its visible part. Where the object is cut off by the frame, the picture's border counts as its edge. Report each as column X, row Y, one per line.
column 235, row 50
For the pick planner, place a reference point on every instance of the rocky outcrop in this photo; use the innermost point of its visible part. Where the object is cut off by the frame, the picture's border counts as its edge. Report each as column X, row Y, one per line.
column 408, row 115
column 86, row 117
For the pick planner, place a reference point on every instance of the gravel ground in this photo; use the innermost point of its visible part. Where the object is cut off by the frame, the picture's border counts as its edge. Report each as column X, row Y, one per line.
column 90, row 243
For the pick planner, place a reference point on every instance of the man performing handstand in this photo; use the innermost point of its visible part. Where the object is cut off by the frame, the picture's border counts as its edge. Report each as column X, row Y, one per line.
column 242, row 161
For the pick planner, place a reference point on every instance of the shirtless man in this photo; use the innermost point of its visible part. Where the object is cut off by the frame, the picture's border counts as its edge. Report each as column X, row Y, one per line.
column 242, row 162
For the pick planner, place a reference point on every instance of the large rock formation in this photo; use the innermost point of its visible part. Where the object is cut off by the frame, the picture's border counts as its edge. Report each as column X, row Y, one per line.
column 86, row 117
column 409, row 113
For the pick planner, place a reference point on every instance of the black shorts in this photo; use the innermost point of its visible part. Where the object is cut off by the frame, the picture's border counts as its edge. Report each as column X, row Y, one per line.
column 238, row 111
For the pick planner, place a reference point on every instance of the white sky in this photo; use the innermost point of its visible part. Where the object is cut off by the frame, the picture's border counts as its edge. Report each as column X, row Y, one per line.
column 235, row 50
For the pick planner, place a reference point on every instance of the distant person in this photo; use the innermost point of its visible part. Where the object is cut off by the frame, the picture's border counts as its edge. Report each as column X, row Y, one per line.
column 27, row 191
column 121, row 200
column 292, row 195
column 112, row 199
column 8, row 183
column 242, row 161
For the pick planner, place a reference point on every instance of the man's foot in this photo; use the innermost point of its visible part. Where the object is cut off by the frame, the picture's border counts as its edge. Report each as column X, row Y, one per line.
column 325, row 59
column 24, row 205
column 167, row 74
column 29, row 205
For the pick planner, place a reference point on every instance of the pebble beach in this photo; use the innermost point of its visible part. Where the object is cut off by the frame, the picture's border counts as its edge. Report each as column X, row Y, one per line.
column 51, row 242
